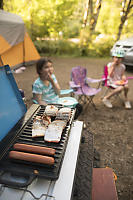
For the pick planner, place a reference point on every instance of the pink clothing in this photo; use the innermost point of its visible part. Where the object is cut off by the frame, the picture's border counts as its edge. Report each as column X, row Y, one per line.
column 118, row 72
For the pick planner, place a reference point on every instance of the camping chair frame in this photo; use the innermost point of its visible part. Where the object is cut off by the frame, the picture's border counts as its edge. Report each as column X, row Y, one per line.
column 80, row 83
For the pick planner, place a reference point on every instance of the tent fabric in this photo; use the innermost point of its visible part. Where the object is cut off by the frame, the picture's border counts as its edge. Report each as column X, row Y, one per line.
column 16, row 46
column 4, row 45
column 11, row 27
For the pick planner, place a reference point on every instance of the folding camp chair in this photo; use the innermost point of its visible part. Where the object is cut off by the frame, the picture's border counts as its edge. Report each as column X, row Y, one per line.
column 80, row 83
column 105, row 84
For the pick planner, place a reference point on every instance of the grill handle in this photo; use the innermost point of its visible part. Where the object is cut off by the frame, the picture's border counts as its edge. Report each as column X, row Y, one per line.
column 16, row 180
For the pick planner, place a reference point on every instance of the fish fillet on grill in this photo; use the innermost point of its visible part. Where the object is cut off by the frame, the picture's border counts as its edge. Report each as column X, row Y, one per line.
column 54, row 131
column 64, row 113
column 51, row 110
column 40, row 124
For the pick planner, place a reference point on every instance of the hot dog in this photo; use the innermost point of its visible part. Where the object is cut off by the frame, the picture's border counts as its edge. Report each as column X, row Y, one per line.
column 31, row 157
column 34, row 149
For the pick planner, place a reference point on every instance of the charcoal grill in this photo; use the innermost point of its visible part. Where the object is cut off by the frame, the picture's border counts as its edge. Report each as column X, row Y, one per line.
column 20, row 131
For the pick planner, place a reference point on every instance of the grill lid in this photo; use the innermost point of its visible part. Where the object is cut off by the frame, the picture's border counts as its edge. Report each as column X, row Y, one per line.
column 12, row 107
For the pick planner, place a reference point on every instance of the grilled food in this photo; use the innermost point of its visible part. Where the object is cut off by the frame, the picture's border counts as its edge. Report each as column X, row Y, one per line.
column 34, row 149
column 54, row 131
column 31, row 157
column 64, row 113
column 46, row 120
column 51, row 110
column 121, row 82
column 40, row 124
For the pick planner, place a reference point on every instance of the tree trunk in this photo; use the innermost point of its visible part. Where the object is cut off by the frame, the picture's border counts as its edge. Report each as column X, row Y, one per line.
column 125, row 12
column 93, row 14
column 86, row 13
column 94, row 17
column 1, row 4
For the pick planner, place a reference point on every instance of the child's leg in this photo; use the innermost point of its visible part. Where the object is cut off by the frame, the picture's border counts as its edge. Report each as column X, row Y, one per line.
column 125, row 92
column 127, row 103
column 114, row 91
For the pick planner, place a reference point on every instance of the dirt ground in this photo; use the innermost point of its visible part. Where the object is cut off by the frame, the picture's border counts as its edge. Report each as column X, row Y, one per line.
column 112, row 128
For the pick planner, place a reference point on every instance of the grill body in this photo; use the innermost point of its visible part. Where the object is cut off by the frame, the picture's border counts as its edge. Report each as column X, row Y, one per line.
column 31, row 169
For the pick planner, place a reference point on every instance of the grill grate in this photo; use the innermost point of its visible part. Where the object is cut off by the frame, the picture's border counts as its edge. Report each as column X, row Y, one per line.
column 25, row 137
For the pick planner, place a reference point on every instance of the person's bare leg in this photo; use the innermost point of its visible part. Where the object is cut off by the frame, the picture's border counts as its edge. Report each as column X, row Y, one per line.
column 114, row 91
column 106, row 101
column 127, row 103
column 126, row 92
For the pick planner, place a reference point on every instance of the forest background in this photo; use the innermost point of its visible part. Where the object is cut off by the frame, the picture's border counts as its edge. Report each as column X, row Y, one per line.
column 74, row 27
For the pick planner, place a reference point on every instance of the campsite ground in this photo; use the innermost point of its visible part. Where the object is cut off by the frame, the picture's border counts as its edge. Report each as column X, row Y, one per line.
column 112, row 128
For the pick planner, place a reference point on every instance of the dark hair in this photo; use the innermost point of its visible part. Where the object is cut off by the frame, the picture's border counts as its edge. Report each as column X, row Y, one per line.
column 40, row 63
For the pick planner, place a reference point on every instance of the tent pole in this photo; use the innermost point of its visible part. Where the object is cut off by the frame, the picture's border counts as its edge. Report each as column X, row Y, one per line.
column 24, row 54
column 1, row 60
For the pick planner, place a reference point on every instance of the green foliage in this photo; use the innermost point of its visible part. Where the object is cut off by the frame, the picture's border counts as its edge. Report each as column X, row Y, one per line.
column 45, row 19
column 57, row 47
column 109, row 18
column 103, row 46
column 72, row 30
column 100, row 48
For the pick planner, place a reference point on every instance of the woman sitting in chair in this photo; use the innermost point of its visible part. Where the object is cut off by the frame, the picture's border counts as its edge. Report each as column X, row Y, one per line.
column 46, row 89
column 116, row 79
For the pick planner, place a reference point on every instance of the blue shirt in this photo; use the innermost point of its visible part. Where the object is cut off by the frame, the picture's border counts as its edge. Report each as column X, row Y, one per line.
column 47, row 92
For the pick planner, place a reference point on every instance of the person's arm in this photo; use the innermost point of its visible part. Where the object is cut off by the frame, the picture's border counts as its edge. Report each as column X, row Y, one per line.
column 38, row 98
column 54, row 84
column 37, row 94
column 111, row 70
column 123, row 77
